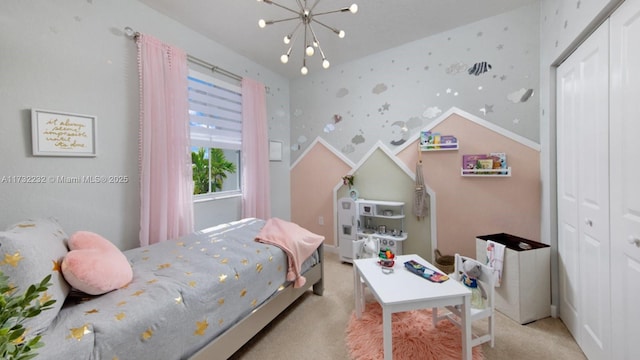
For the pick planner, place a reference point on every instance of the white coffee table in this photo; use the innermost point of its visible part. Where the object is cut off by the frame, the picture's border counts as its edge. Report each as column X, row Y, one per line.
column 402, row 290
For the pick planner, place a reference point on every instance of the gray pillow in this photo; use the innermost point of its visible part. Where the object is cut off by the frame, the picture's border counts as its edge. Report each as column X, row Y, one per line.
column 29, row 251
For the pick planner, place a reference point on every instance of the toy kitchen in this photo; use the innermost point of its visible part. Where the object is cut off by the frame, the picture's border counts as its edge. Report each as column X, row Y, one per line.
column 360, row 219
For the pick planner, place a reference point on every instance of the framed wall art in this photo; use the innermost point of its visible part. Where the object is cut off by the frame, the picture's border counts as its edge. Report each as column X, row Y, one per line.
column 57, row 133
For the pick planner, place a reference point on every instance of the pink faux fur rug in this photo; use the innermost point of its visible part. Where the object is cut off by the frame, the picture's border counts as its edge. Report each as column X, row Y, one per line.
column 413, row 336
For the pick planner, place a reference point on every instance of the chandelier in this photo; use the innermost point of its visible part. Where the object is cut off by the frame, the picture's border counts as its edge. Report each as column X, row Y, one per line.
column 306, row 17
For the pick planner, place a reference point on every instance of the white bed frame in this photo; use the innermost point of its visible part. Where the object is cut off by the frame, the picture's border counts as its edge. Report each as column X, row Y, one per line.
column 235, row 337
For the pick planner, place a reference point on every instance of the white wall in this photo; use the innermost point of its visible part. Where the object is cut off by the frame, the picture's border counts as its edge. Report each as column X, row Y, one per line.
column 410, row 85
column 72, row 56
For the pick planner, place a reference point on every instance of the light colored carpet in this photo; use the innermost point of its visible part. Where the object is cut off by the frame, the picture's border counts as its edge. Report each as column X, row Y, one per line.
column 414, row 336
column 315, row 328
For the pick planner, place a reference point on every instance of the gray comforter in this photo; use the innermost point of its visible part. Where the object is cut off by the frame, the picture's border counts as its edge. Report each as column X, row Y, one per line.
column 184, row 293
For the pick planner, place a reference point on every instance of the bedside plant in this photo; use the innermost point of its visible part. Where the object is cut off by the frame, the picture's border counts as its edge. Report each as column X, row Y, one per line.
column 14, row 309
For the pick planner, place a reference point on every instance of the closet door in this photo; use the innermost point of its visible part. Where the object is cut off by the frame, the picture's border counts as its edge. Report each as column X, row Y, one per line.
column 625, row 172
column 568, row 115
column 583, row 194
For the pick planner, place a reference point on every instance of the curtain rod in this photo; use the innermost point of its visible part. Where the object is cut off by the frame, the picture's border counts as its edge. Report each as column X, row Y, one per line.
column 130, row 33
column 213, row 68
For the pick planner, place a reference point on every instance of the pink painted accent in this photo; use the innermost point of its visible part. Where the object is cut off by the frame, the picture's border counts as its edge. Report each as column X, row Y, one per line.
column 256, row 201
column 312, row 182
column 470, row 206
column 166, row 182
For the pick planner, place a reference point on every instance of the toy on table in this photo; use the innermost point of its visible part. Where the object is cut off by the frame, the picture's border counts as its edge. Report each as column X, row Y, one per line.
column 471, row 272
column 386, row 258
column 425, row 272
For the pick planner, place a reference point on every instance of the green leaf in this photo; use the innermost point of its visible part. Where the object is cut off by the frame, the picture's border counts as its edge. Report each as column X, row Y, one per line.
column 14, row 309
column 16, row 334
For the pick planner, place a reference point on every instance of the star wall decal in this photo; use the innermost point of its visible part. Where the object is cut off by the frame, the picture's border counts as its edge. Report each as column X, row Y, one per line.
column 486, row 109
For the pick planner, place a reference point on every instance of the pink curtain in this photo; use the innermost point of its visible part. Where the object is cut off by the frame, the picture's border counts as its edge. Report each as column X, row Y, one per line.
column 256, row 200
column 166, row 183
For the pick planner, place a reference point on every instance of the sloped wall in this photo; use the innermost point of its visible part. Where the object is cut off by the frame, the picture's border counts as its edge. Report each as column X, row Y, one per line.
column 379, row 177
column 389, row 96
column 313, row 179
column 464, row 207
column 470, row 206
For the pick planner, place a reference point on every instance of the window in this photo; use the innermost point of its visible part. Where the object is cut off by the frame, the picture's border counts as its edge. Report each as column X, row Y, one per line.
column 215, row 119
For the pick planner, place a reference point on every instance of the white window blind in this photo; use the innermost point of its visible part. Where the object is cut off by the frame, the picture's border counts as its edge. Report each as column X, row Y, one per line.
column 215, row 112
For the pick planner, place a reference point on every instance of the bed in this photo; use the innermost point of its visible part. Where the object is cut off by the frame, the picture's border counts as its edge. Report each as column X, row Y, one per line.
column 202, row 296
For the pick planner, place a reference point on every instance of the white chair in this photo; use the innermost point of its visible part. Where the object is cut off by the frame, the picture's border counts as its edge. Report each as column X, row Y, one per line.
column 488, row 281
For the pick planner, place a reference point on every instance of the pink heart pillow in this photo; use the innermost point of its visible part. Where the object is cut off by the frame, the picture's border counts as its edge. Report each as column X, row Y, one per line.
column 94, row 265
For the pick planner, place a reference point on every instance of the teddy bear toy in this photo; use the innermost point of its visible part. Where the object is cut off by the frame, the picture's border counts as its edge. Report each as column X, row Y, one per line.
column 471, row 272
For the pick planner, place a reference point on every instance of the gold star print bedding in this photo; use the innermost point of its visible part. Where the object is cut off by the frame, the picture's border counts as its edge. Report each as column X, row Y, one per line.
column 184, row 293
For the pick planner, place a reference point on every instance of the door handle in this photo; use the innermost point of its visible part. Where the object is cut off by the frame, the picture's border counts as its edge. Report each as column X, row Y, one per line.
column 634, row 240
column 589, row 222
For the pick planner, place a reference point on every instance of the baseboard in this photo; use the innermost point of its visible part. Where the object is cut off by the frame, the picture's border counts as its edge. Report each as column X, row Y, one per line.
column 554, row 311
column 331, row 249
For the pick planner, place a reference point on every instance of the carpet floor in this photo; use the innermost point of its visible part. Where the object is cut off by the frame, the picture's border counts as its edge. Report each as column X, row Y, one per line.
column 314, row 328
column 413, row 334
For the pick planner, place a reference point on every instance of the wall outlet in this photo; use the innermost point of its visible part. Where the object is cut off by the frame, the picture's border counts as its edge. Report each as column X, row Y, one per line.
column 320, row 220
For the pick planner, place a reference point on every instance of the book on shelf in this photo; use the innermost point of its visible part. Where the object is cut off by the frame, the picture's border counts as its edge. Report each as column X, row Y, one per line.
column 448, row 141
column 430, row 141
column 425, row 272
column 500, row 162
column 496, row 163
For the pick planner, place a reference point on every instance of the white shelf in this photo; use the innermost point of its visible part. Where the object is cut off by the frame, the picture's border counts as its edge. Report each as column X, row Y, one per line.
column 371, row 215
column 486, row 172
column 377, row 208
column 386, row 236
column 380, row 202
column 385, row 217
column 439, row 147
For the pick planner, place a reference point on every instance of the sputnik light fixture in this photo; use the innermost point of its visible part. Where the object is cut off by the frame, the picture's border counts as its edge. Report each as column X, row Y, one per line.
column 306, row 17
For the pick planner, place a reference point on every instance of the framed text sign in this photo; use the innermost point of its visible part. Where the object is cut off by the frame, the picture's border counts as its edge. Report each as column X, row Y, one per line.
column 57, row 133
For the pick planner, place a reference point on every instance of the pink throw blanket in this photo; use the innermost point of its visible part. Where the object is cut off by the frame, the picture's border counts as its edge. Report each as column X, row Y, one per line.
column 297, row 242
